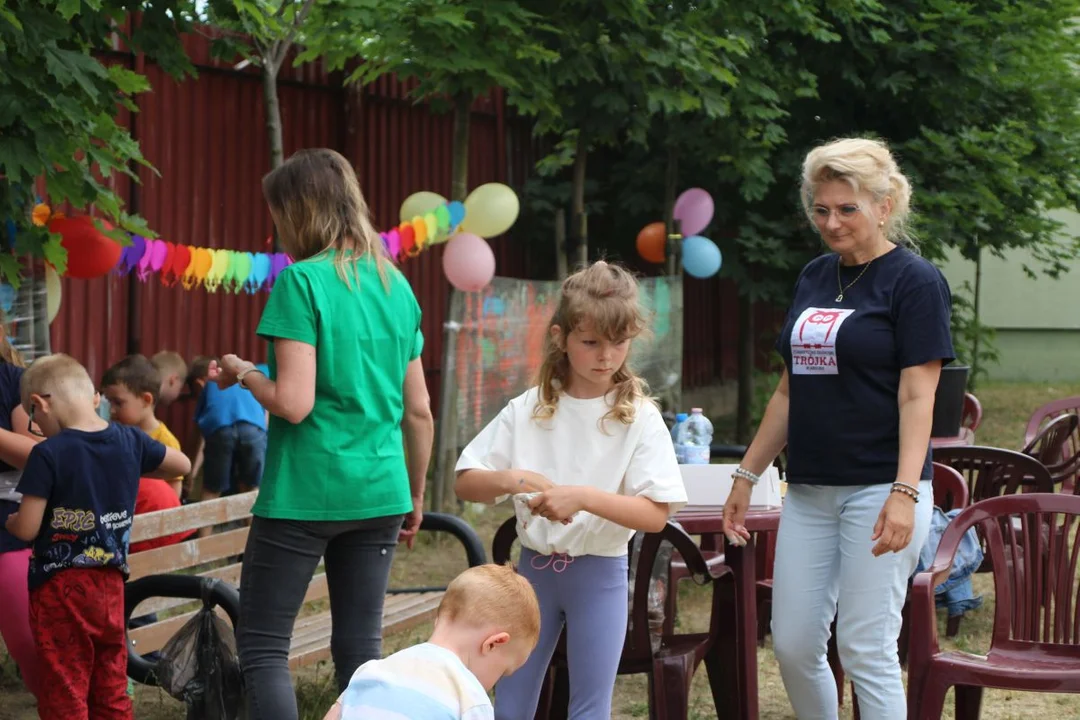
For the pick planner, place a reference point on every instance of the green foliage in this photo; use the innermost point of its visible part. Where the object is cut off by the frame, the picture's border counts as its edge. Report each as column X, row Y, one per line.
column 973, row 341
column 58, row 109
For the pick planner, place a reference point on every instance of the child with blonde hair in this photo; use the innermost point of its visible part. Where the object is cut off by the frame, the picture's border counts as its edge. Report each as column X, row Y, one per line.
column 589, row 460
column 173, row 370
column 78, row 498
column 486, row 626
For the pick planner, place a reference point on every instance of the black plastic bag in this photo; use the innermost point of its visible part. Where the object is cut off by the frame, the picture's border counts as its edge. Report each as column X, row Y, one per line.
column 200, row 667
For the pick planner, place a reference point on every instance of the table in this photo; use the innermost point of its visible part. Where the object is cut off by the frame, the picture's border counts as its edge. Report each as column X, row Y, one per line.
column 734, row 679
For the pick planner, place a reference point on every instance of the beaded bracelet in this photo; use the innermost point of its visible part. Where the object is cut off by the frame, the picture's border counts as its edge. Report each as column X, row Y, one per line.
column 741, row 472
column 905, row 489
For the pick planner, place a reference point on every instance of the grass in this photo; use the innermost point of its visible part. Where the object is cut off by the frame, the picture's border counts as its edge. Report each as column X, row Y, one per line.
column 434, row 561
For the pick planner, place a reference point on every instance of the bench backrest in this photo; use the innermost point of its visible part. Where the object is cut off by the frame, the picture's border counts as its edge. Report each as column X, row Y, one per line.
column 211, row 556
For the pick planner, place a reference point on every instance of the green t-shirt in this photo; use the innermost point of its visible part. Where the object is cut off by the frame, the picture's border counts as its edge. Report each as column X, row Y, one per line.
column 346, row 460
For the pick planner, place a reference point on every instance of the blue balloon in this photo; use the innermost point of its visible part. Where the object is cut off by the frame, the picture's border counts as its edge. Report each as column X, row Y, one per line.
column 700, row 257
column 457, row 212
column 7, row 297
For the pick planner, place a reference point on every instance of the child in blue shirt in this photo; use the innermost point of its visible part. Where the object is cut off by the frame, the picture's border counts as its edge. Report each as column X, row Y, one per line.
column 232, row 423
column 78, row 498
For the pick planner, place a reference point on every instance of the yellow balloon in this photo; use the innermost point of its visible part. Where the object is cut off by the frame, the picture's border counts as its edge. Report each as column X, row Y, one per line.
column 52, row 292
column 420, row 229
column 490, row 210
column 432, row 224
column 420, row 203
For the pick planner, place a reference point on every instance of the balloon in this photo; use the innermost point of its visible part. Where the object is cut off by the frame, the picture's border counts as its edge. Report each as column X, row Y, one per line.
column 443, row 216
column 694, row 210
column 393, row 243
column 180, row 263
column 218, row 269
column 457, row 213
column 260, row 270
column 408, row 237
column 700, row 257
column 491, row 210
column 52, row 292
column 468, row 262
column 278, row 262
column 432, row 224
column 420, row 229
column 420, row 203
column 91, row 253
column 652, row 242
column 204, row 260
column 158, row 253
column 242, row 270
column 131, row 255
column 167, row 261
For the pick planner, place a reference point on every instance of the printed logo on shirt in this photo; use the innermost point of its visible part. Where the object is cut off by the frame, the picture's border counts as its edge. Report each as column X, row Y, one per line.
column 813, row 340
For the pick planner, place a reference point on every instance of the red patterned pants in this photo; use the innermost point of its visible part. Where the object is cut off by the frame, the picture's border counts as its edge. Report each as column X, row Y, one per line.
column 77, row 618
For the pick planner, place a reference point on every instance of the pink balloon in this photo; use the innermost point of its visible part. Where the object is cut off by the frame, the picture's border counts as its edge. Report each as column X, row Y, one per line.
column 694, row 209
column 468, row 262
column 157, row 256
column 393, row 243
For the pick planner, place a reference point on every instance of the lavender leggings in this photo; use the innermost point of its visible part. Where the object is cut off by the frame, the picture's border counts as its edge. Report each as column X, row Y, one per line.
column 589, row 595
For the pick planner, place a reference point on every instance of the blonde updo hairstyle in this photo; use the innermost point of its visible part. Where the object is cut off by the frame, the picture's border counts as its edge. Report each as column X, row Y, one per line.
column 865, row 165
column 605, row 297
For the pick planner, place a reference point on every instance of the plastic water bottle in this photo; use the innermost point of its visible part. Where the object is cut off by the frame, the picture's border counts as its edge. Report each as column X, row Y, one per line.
column 676, row 431
column 696, row 438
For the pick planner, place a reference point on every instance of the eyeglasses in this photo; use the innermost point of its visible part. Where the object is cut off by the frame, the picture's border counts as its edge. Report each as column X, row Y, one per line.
column 31, row 429
column 845, row 212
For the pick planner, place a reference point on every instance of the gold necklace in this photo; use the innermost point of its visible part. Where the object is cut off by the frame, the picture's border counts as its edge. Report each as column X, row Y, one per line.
column 839, row 284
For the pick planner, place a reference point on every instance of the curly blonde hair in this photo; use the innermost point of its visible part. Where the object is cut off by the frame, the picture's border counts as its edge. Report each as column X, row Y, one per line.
column 605, row 297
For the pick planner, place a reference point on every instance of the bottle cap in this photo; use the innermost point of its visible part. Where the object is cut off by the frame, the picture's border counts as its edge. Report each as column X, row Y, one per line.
column 695, row 410
column 679, row 417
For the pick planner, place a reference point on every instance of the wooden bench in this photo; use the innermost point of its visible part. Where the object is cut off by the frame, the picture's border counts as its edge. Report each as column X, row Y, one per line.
column 187, row 564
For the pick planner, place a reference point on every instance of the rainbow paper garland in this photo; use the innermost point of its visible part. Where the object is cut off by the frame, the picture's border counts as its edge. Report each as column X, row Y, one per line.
column 235, row 271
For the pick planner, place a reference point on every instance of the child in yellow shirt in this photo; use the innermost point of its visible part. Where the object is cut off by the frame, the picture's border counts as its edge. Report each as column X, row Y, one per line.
column 132, row 387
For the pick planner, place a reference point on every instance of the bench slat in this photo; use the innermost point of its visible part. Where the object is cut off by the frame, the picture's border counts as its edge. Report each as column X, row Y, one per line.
column 162, row 523
column 188, row 554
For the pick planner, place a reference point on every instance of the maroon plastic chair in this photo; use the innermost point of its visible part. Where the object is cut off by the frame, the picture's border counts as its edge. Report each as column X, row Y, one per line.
column 671, row 668
column 990, row 472
column 1071, row 452
column 972, row 413
column 1053, row 448
column 1035, row 644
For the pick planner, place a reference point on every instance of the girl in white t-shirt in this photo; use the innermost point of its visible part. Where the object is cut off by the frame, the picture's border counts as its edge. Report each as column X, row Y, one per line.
column 588, row 459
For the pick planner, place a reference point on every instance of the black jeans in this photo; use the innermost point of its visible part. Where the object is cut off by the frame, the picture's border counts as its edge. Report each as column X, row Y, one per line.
column 280, row 558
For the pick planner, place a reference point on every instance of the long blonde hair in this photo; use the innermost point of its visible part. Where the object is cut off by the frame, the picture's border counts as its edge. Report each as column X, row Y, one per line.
column 8, row 353
column 606, row 297
column 317, row 207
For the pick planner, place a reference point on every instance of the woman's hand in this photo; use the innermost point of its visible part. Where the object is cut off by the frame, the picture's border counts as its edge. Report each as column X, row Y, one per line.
column 558, row 503
column 735, row 507
column 224, row 372
column 412, row 523
column 894, row 525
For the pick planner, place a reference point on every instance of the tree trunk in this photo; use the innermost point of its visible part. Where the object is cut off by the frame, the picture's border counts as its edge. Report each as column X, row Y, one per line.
column 560, row 244
column 744, row 400
column 579, row 227
column 973, row 376
column 459, row 181
column 272, row 109
column 670, row 223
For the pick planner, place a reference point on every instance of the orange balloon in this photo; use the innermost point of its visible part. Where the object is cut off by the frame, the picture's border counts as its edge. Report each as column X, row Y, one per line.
column 652, row 242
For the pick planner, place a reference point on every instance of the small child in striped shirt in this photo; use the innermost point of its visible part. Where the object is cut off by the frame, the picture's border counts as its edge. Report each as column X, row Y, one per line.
column 486, row 626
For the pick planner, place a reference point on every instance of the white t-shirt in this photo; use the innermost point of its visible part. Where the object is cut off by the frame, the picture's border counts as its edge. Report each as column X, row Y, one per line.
column 571, row 449
column 423, row 682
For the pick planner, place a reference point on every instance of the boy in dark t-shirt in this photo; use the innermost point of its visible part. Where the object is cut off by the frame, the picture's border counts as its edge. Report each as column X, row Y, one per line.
column 78, row 489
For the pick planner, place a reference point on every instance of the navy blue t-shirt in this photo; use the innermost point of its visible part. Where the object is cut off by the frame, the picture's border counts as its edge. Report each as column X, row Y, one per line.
column 10, row 376
column 90, row 480
column 844, row 360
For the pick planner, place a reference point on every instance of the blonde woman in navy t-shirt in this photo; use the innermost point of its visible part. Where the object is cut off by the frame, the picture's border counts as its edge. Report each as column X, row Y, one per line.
column 863, row 344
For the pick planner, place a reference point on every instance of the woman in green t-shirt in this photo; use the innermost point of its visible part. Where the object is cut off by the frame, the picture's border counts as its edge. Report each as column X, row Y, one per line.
column 346, row 396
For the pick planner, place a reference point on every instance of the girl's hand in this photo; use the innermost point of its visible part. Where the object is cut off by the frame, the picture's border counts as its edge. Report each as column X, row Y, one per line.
column 894, row 525
column 558, row 503
column 12, row 519
column 738, row 501
column 225, row 372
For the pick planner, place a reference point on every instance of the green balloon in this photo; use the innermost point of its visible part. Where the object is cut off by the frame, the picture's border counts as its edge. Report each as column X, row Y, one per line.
column 443, row 216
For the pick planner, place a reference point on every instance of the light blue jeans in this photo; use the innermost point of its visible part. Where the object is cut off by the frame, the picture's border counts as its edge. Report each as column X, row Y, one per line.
column 823, row 567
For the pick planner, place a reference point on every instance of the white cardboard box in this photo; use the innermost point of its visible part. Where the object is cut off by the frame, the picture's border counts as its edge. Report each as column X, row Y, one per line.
column 709, row 485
